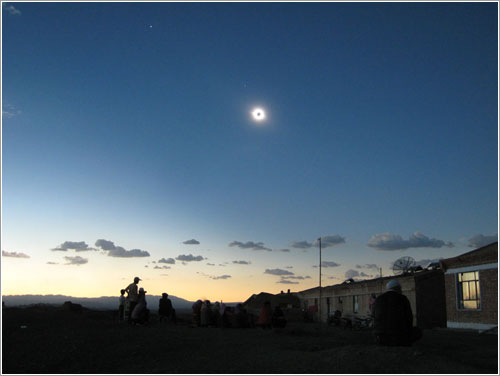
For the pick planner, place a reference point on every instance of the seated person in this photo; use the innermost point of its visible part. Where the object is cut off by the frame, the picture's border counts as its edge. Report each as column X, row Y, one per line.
column 278, row 318
column 196, row 308
column 205, row 313
column 265, row 316
column 165, row 310
column 335, row 319
column 241, row 316
column 393, row 318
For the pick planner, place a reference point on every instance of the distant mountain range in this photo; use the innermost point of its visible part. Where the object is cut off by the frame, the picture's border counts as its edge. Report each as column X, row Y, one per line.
column 101, row 303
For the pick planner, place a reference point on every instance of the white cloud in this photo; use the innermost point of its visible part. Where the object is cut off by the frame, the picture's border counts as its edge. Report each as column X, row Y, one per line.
column 122, row 252
column 351, row 273
column 75, row 260
column 259, row 246
column 117, row 251
column 367, row 266
column 52, row 263
column 15, row 254
column 327, row 264
column 278, row 272
column 478, row 241
column 192, row 241
column 10, row 111
column 166, row 261
column 225, row 276
column 301, row 244
column 77, row 246
column 295, row 277
column 390, row 242
column 107, row 245
column 329, row 241
column 12, row 10
column 189, row 258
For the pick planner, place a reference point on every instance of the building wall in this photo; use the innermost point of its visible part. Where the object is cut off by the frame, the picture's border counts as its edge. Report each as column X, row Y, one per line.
column 488, row 314
column 341, row 297
column 430, row 300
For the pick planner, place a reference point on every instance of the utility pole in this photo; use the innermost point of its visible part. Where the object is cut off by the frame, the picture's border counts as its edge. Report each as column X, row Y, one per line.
column 319, row 239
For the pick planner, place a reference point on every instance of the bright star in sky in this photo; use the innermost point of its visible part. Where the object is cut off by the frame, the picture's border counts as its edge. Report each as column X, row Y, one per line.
column 258, row 114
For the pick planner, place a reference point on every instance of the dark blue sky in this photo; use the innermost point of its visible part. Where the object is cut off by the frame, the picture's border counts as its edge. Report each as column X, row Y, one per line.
column 382, row 119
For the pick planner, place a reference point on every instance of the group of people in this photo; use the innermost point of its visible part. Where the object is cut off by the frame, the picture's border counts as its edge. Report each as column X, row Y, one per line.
column 133, row 308
column 391, row 313
column 206, row 314
column 269, row 318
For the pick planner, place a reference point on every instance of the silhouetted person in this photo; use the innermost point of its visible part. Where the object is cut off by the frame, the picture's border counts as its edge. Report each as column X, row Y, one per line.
column 140, row 313
column 165, row 310
column 265, row 316
column 371, row 305
column 278, row 318
column 196, row 308
column 241, row 315
column 216, row 314
column 132, row 295
column 205, row 313
column 121, row 307
column 335, row 319
column 393, row 318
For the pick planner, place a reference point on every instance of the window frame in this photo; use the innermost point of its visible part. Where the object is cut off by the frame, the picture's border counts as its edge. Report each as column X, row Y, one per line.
column 459, row 298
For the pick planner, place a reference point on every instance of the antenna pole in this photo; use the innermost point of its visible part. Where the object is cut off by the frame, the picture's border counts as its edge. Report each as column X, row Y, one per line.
column 319, row 279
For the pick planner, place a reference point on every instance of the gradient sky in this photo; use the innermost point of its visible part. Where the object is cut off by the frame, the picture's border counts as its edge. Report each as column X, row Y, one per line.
column 130, row 123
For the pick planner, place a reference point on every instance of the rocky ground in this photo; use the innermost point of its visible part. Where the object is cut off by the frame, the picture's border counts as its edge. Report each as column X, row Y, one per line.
column 54, row 340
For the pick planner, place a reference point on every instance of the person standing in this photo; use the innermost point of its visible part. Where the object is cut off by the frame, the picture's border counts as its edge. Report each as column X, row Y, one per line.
column 393, row 318
column 133, row 295
column 265, row 316
column 140, row 313
column 121, row 307
column 165, row 309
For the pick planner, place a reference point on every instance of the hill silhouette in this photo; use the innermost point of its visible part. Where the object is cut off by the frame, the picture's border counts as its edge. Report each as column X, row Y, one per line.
column 101, row 303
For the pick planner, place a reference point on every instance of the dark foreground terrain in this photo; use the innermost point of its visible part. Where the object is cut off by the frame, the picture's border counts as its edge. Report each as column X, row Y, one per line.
column 53, row 340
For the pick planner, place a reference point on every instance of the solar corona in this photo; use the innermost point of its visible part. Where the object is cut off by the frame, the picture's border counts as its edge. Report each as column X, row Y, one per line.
column 258, row 115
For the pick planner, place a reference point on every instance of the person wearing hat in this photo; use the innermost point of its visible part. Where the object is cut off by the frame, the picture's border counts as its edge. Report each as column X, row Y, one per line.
column 132, row 294
column 393, row 318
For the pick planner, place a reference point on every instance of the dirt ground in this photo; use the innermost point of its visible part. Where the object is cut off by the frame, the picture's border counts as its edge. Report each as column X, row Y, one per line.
column 51, row 340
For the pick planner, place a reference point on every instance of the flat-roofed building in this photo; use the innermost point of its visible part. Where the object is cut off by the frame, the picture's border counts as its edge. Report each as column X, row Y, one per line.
column 424, row 289
column 471, row 285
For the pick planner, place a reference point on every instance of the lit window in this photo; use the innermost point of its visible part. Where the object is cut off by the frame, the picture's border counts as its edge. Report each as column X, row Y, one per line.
column 468, row 290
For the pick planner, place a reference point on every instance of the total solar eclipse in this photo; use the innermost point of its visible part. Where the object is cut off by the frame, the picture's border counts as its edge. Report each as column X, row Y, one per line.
column 258, row 114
